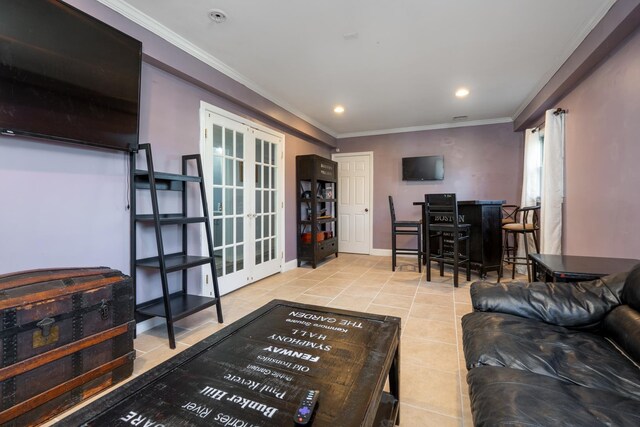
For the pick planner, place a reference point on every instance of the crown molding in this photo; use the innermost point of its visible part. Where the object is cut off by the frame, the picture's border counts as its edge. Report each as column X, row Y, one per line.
column 571, row 47
column 426, row 127
column 160, row 30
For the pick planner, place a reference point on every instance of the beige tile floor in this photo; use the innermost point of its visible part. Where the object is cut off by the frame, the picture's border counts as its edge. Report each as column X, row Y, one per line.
column 433, row 385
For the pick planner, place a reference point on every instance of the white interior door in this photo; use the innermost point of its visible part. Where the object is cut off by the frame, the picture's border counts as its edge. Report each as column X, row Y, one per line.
column 243, row 173
column 354, row 202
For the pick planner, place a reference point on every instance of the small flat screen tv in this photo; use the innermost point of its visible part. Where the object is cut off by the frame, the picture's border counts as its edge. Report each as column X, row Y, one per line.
column 66, row 76
column 426, row 168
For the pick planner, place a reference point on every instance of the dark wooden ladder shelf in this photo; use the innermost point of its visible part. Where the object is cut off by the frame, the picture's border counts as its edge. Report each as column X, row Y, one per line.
column 177, row 305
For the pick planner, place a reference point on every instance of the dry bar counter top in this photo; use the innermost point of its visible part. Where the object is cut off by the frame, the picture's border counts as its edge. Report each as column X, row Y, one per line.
column 255, row 371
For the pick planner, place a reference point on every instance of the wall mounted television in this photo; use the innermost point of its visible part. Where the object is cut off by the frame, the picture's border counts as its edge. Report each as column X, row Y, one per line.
column 426, row 168
column 66, row 76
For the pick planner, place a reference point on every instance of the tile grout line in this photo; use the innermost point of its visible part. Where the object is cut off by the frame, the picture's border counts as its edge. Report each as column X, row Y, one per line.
column 459, row 373
column 431, row 410
column 379, row 291
column 413, row 300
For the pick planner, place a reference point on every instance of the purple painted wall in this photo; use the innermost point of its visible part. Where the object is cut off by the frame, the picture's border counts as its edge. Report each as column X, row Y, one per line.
column 601, row 156
column 481, row 163
column 62, row 206
column 65, row 205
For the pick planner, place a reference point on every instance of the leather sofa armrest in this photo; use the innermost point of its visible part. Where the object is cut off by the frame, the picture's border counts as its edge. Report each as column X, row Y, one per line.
column 581, row 304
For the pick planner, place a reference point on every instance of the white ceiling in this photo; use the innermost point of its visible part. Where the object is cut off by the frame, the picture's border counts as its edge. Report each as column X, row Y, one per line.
column 405, row 63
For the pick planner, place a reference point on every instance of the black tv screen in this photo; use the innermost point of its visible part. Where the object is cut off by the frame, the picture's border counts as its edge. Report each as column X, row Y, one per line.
column 65, row 75
column 426, row 168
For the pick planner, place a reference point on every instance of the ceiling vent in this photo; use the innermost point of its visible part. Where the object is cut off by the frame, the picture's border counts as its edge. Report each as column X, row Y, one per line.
column 218, row 16
column 460, row 118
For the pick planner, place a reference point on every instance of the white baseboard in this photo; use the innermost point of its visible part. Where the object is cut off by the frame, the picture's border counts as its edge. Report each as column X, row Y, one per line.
column 290, row 265
column 148, row 324
column 387, row 252
column 380, row 252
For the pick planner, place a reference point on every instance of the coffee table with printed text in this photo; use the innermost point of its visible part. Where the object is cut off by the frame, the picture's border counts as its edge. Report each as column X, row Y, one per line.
column 255, row 372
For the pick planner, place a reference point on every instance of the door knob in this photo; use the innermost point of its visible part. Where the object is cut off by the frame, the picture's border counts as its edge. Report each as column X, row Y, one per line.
column 366, row 209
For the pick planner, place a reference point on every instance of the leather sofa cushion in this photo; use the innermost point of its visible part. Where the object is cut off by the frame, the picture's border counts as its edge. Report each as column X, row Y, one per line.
column 511, row 397
column 583, row 304
column 631, row 292
column 622, row 325
column 582, row 358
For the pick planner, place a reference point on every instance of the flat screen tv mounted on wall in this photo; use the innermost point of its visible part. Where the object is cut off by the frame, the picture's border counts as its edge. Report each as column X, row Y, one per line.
column 64, row 75
column 426, row 168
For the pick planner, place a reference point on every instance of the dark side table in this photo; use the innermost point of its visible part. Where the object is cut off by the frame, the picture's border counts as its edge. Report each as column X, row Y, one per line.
column 569, row 268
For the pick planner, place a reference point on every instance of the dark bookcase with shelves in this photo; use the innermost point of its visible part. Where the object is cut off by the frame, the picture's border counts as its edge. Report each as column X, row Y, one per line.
column 317, row 215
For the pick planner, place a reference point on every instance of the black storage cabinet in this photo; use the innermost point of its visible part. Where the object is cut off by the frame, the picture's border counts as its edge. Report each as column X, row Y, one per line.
column 317, row 223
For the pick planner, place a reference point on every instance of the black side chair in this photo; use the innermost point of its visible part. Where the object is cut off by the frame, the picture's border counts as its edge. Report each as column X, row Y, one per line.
column 404, row 228
column 528, row 224
column 441, row 213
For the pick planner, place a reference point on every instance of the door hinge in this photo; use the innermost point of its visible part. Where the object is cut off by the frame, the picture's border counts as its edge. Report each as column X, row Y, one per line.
column 205, row 133
column 206, row 279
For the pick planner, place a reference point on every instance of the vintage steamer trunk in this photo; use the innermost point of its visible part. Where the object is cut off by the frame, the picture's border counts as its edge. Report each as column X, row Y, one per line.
column 66, row 334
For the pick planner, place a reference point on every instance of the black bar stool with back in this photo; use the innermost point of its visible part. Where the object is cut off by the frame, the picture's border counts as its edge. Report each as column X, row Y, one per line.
column 526, row 224
column 441, row 214
column 404, row 228
column 509, row 213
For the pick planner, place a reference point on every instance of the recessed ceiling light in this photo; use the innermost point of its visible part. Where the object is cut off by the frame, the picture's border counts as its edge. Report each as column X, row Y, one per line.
column 218, row 16
column 462, row 92
column 339, row 109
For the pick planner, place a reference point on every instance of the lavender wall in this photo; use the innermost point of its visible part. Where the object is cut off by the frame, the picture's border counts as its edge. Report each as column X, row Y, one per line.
column 65, row 205
column 481, row 163
column 602, row 151
column 62, row 206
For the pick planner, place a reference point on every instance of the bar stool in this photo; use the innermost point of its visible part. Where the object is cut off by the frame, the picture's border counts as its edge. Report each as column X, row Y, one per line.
column 509, row 217
column 528, row 225
column 404, row 228
column 441, row 213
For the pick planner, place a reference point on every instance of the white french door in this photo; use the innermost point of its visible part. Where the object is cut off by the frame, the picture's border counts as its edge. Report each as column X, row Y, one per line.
column 244, row 178
column 354, row 201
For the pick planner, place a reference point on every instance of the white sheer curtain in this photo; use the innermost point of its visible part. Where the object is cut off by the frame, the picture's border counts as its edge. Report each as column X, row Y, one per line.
column 552, row 184
column 531, row 181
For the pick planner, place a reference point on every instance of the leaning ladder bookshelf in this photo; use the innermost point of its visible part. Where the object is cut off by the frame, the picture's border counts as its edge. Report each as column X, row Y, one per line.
column 177, row 305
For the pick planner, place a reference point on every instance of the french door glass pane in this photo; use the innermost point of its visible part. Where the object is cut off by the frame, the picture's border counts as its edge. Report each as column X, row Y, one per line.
column 239, row 257
column 258, row 227
column 217, row 139
column 258, row 150
column 239, row 145
column 228, row 142
column 239, row 201
column 258, row 202
column 217, row 170
column 218, row 257
column 228, row 259
column 228, row 205
column 228, row 199
column 228, row 169
column 258, row 252
column 228, row 231
column 239, row 229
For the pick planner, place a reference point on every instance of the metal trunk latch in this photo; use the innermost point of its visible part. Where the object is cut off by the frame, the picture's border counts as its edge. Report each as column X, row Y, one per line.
column 45, row 325
column 104, row 310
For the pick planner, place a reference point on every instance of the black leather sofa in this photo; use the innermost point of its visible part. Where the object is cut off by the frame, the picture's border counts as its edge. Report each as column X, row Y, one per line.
column 544, row 354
